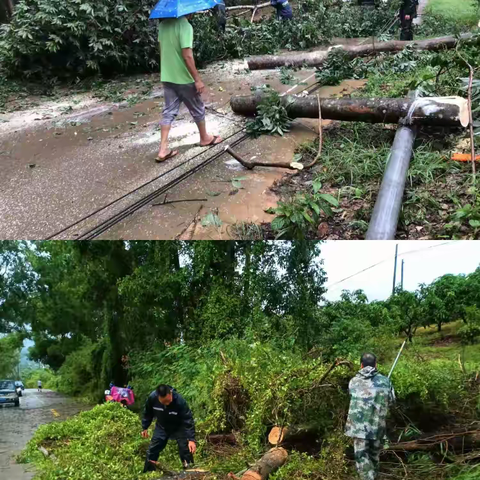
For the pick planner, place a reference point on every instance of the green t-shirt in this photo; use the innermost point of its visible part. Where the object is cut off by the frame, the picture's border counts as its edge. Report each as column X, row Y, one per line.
column 173, row 35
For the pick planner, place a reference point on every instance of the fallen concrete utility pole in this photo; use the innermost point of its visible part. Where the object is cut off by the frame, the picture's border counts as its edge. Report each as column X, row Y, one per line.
column 270, row 462
column 317, row 58
column 436, row 111
column 383, row 224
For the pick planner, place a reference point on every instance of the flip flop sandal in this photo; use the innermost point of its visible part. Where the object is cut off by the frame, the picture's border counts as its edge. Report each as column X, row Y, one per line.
column 170, row 154
column 213, row 141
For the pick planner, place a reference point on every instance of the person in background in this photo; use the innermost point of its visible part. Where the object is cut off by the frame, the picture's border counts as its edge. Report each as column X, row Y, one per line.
column 371, row 396
column 408, row 11
column 39, row 385
column 174, row 420
column 283, row 8
column 181, row 82
column 221, row 14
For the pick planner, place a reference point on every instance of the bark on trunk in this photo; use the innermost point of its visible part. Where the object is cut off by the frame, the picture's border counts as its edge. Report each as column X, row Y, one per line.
column 270, row 462
column 441, row 111
column 316, row 59
column 217, row 438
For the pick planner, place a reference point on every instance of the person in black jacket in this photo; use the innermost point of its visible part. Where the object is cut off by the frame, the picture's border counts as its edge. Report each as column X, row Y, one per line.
column 174, row 420
column 408, row 12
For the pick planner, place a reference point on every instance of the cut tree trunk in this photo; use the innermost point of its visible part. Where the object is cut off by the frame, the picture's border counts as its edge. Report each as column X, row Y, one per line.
column 277, row 435
column 317, row 58
column 293, row 436
column 270, row 462
column 438, row 111
column 217, row 438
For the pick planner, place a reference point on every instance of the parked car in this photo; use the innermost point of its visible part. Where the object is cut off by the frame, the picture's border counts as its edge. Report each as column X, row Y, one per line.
column 19, row 387
column 8, row 393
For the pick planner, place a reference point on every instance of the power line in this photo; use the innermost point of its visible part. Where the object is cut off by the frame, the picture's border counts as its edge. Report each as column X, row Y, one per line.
column 389, row 259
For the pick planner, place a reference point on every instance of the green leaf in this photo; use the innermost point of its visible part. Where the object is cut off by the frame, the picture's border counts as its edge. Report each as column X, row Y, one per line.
column 474, row 223
column 211, row 219
column 329, row 198
column 213, row 194
column 317, row 185
column 278, row 223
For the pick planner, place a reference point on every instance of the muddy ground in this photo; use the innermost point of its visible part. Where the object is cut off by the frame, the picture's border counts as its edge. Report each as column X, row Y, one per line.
column 61, row 160
column 18, row 425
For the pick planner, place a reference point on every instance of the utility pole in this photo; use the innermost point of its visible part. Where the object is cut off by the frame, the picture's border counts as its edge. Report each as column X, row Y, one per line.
column 403, row 261
column 395, row 269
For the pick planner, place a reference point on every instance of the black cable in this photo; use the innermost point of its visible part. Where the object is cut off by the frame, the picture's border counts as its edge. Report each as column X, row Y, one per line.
column 118, row 217
column 135, row 190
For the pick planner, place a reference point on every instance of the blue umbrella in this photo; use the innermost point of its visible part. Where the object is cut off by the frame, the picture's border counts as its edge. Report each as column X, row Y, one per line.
column 179, row 8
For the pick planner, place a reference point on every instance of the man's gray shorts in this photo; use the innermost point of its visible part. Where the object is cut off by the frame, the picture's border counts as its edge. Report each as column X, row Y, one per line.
column 176, row 94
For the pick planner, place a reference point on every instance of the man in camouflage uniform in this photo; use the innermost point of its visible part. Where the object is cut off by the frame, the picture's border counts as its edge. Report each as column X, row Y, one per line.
column 371, row 395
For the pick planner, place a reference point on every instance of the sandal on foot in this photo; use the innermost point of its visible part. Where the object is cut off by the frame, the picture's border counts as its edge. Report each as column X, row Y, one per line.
column 212, row 142
column 170, row 154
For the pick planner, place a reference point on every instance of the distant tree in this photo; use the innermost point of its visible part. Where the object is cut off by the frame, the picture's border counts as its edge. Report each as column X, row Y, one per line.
column 407, row 311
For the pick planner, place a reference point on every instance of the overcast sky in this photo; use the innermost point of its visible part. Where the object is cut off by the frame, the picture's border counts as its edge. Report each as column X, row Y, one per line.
column 424, row 261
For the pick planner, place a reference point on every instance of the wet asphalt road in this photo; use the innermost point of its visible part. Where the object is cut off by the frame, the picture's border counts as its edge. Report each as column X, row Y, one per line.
column 18, row 424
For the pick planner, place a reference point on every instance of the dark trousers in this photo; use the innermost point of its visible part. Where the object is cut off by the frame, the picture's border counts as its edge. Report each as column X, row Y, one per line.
column 407, row 27
column 159, row 442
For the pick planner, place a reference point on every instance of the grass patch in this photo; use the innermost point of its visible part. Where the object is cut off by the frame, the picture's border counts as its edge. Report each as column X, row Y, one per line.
column 462, row 12
column 354, row 156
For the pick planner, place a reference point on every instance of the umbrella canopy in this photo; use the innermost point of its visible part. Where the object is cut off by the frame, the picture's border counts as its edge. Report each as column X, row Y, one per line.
column 179, row 8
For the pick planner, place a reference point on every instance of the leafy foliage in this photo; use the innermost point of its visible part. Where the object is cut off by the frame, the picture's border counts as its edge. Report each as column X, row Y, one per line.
column 272, row 117
column 297, row 217
column 57, row 38
column 470, row 332
column 10, row 346
column 101, row 443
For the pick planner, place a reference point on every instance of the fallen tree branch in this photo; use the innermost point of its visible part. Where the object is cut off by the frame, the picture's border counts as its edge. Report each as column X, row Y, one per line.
column 180, row 201
column 435, row 111
column 188, row 232
column 429, row 443
column 216, row 438
column 251, row 165
column 248, row 7
column 318, row 58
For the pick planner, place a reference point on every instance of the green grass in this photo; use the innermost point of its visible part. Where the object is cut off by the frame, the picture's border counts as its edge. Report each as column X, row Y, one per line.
column 460, row 11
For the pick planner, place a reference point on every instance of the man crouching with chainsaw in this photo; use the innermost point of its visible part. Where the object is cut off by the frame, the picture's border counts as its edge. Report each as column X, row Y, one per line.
column 174, row 420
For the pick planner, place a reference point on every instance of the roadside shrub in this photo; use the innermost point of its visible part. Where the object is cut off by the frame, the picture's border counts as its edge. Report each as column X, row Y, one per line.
column 68, row 38
column 101, row 443
column 429, row 384
column 470, row 332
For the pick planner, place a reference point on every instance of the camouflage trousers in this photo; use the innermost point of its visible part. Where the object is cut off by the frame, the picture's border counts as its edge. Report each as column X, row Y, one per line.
column 367, row 456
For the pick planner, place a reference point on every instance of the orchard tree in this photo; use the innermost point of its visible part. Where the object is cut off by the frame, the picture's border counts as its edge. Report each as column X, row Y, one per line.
column 407, row 311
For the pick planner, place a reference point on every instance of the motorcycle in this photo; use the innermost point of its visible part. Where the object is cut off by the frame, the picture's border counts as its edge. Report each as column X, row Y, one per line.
column 124, row 396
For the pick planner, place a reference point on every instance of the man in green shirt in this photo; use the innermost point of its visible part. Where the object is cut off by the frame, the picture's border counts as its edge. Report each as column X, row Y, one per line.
column 181, row 81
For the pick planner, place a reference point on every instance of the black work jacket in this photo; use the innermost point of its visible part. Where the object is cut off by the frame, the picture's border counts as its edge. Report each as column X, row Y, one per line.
column 173, row 418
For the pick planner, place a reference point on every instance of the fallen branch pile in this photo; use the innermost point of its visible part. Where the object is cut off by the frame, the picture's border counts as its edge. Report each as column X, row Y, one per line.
column 455, row 441
column 437, row 111
column 317, row 58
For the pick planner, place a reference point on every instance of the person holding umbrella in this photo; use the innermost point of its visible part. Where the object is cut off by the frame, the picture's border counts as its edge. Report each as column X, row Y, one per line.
column 179, row 75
